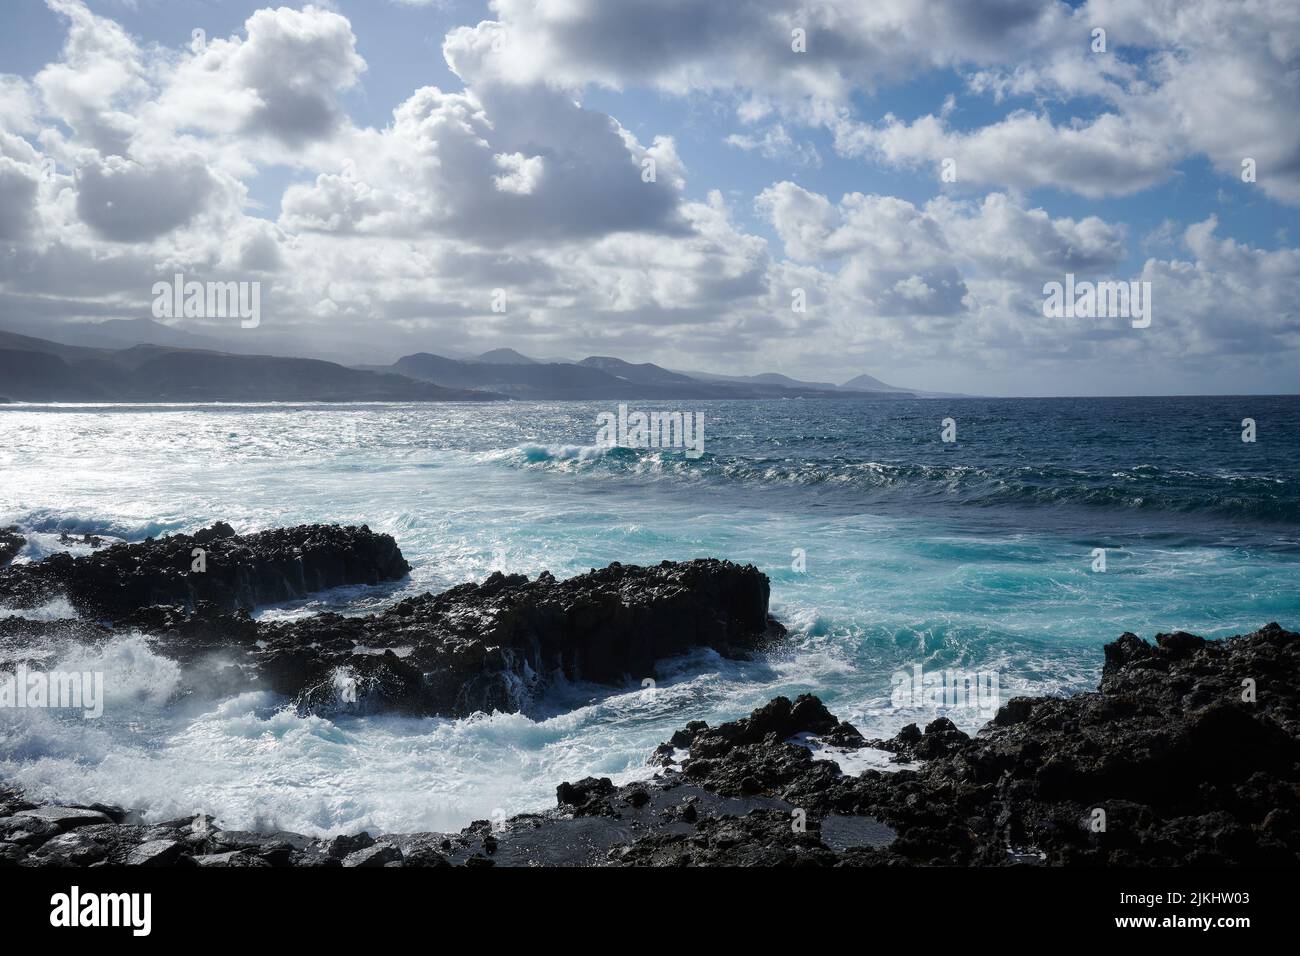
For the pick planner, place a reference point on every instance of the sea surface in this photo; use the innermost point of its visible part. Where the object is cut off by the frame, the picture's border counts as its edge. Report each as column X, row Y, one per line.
column 886, row 546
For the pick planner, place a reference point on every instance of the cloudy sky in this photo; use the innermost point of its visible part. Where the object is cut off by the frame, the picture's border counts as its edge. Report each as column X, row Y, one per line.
column 381, row 167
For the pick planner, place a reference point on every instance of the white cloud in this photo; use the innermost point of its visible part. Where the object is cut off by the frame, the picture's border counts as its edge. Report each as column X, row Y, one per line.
column 523, row 174
column 1179, row 78
column 18, row 186
column 776, row 143
column 282, row 81
column 18, row 107
column 392, row 239
column 471, row 165
column 1109, row 156
column 999, row 237
column 1229, row 300
column 99, row 77
column 747, row 45
column 127, row 201
column 964, row 279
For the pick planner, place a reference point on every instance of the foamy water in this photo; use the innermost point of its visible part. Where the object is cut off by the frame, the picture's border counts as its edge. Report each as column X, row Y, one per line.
column 977, row 557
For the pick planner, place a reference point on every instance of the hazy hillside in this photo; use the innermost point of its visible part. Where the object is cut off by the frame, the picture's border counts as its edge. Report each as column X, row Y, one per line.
column 597, row 377
column 36, row 370
column 506, row 357
column 645, row 373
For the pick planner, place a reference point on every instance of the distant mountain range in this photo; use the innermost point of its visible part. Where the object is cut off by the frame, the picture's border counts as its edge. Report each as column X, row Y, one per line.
column 140, row 360
column 38, row 370
column 861, row 383
column 600, row 377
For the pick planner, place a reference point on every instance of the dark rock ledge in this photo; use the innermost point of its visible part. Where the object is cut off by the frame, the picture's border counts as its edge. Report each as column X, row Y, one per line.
column 235, row 571
column 1186, row 771
column 476, row 647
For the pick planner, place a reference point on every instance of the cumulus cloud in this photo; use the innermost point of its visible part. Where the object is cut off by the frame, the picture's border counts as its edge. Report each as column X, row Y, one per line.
column 965, row 278
column 18, row 188
column 1004, row 239
column 1229, row 299
column 122, row 162
column 410, row 226
column 98, row 79
column 336, row 203
column 521, row 174
column 1197, row 78
column 496, row 165
column 18, row 107
column 693, row 45
column 1109, row 156
column 128, row 201
column 1178, row 78
column 282, row 80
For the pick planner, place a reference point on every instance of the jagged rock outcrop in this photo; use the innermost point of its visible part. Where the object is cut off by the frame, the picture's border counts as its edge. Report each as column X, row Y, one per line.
column 476, row 647
column 497, row 645
column 213, row 565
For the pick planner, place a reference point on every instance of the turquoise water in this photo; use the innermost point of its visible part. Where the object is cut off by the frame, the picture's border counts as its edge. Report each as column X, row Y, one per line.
column 976, row 554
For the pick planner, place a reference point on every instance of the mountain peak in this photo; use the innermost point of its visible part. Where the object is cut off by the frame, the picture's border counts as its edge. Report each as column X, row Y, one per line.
column 505, row 357
column 871, row 384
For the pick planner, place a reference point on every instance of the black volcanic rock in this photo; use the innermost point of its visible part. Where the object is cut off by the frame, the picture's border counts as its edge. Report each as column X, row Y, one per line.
column 11, row 542
column 759, row 838
column 1188, row 753
column 476, row 647
column 490, row 646
column 238, row 571
column 1174, row 761
column 1183, row 767
column 584, row 791
column 1190, row 764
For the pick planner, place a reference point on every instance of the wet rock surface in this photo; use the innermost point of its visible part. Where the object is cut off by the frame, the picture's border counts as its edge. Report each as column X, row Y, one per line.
column 11, row 542
column 1189, row 749
column 497, row 645
column 214, row 566
column 1188, row 753
column 476, row 647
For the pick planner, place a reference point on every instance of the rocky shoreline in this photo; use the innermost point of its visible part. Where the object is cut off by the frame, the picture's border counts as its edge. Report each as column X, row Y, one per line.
column 1187, row 754
column 476, row 647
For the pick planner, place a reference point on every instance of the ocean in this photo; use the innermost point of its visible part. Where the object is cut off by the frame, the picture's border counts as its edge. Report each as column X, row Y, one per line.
column 887, row 547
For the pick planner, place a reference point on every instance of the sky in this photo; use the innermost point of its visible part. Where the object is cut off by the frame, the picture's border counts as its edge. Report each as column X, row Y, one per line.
column 823, row 189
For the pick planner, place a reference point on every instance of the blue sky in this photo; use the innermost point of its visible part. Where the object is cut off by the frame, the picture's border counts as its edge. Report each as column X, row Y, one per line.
column 274, row 154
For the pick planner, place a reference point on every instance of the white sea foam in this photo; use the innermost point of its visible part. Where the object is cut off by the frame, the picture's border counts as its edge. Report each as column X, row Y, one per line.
column 56, row 609
column 853, row 760
column 472, row 490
